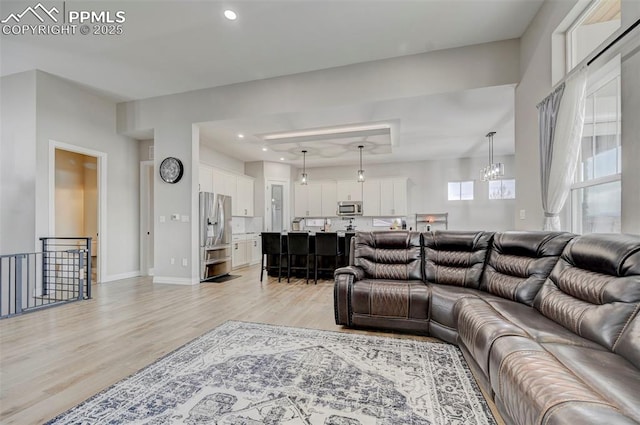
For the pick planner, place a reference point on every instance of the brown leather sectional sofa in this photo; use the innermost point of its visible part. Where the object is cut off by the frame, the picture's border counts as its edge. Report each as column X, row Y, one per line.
column 549, row 322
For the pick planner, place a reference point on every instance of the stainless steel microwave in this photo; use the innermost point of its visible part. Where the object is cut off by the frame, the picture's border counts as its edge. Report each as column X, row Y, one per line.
column 347, row 208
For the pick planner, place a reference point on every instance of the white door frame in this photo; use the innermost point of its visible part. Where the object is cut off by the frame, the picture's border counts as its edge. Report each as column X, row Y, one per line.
column 285, row 203
column 102, row 197
column 145, row 270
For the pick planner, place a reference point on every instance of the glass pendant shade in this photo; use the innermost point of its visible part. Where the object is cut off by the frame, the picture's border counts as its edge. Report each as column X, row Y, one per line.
column 361, row 171
column 305, row 178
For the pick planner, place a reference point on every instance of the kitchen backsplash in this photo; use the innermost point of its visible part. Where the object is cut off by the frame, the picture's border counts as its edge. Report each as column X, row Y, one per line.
column 246, row 225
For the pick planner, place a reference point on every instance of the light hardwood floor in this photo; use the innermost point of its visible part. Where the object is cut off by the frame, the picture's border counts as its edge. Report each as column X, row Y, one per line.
column 53, row 359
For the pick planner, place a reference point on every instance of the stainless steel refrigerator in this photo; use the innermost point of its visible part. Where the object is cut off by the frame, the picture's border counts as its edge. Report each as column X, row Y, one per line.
column 215, row 235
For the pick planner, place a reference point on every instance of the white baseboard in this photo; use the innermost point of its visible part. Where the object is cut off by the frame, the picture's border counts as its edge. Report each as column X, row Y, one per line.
column 120, row 276
column 176, row 280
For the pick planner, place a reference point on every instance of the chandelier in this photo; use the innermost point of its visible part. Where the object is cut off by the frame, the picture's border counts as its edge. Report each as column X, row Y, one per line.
column 494, row 170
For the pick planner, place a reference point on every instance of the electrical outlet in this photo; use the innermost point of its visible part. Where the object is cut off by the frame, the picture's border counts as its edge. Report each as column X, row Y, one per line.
column 184, row 218
column 175, row 217
column 185, row 263
column 523, row 214
column 162, row 219
column 173, row 260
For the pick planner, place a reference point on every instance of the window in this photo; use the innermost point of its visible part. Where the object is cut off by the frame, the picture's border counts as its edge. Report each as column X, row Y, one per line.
column 502, row 189
column 596, row 200
column 596, row 23
column 460, row 191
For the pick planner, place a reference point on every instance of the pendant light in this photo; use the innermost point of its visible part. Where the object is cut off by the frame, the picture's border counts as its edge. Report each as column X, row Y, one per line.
column 494, row 170
column 361, row 171
column 304, row 168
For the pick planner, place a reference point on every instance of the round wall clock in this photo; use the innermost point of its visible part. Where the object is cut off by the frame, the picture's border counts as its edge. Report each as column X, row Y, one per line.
column 171, row 170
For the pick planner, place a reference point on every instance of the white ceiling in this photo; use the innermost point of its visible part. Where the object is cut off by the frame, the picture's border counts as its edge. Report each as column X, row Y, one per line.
column 450, row 125
column 174, row 46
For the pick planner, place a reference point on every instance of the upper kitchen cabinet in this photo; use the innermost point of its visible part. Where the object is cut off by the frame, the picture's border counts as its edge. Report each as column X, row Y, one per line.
column 393, row 197
column 329, row 199
column 244, row 200
column 348, row 190
column 371, row 198
column 239, row 187
column 224, row 184
column 308, row 200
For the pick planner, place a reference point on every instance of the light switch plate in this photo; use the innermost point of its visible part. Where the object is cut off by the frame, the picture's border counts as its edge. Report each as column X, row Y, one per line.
column 185, row 218
column 175, row 217
column 523, row 214
column 162, row 219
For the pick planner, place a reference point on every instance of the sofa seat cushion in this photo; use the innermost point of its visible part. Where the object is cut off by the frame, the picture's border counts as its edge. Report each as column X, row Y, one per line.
column 535, row 387
column 605, row 372
column 479, row 325
column 538, row 327
column 443, row 298
column 387, row 303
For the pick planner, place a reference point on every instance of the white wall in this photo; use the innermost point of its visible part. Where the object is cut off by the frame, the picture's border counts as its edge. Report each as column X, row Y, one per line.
column 427, row 190
column 68, row 113
column 18, row 163
column 217, row 159
column 630, row 88
column 535, row 85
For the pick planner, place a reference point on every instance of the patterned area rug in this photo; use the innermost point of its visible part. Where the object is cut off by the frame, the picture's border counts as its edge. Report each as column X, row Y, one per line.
column 247, row 373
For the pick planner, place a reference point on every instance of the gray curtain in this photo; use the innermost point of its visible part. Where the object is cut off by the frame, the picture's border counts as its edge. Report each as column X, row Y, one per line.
column 561, row 125
column 547, row 116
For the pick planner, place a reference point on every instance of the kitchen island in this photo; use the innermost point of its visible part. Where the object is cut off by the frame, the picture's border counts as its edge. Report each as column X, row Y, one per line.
column 298, row 261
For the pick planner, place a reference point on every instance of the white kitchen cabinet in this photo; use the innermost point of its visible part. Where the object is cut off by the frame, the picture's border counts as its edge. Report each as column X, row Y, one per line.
column 244, row 197
column 393, row 197
column 246, row 250
column 205, row 178
column 239, row 187
column 371, row 198
column 301, row 200
column 239, row 251
column 348, row 190
column 329, row 199
column 224, row 183
column 308, row 200
column 255, row 249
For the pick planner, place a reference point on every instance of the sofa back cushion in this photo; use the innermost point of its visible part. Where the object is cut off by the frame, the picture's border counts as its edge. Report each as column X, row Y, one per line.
column 594, row 290
column 455, row 257
column 519, row 262
column 388, row 255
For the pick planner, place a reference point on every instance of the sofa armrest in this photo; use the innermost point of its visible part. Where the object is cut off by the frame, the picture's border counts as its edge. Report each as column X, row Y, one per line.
column 356, row 272
column 342, row 291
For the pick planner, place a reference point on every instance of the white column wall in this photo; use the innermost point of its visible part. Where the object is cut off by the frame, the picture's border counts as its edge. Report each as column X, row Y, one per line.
column 18, row 163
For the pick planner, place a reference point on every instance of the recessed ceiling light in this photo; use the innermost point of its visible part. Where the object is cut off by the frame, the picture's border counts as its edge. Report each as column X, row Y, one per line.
column 240, row 136
column 264, row 149
column 281, row 159
column 230, row 15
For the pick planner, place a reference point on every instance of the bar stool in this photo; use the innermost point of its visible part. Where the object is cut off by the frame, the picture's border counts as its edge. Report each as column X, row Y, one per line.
column 326, row 246
column 271, row 245
column 347, row 246
column 297, row 244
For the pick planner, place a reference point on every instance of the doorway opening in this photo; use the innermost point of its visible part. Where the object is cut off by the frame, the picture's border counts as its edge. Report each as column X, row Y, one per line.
column 76, row 200
column 276, row 205
column 146, row 218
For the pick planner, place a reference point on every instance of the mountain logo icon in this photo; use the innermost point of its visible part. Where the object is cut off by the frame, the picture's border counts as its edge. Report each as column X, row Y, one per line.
column 39, row 11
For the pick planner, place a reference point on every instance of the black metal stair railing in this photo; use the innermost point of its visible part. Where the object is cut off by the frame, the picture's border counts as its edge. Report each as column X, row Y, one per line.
column 59, row 274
